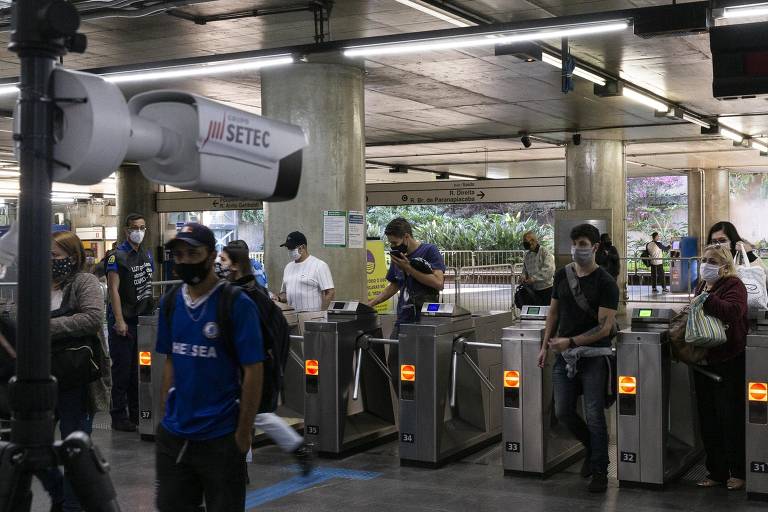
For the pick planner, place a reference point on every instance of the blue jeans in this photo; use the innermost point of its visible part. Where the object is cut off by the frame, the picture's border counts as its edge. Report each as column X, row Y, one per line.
column 591, row 382
column 72, row 412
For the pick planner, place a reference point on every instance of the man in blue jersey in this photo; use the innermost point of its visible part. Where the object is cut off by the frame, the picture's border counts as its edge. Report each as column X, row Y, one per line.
column 212, row 394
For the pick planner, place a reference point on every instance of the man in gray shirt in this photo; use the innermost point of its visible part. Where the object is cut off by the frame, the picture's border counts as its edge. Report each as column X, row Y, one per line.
column 538, row 271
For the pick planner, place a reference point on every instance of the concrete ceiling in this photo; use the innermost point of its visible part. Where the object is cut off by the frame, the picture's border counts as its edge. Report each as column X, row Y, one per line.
column 457, row 111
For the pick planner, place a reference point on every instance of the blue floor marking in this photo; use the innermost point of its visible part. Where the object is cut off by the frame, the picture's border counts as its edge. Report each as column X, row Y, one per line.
column 300, row 483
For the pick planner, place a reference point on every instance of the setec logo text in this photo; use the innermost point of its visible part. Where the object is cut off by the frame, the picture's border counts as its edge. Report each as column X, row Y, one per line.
column 234, row 129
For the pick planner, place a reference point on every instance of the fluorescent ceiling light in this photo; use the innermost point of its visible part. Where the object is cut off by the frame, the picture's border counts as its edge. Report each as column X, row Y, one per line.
column 696, row 120
column 437, row 13
column 645, row 100
column 758, row 146
column 208, row 68
column 730, row 134
column 8, row 89
column 456, row 43
column 583, row 73
column 746, row 11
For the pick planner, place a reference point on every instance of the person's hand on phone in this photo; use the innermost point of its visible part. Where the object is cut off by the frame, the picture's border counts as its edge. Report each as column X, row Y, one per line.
column 400, row 260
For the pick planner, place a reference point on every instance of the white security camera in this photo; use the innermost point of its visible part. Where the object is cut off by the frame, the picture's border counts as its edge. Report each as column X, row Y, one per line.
column 178, row 138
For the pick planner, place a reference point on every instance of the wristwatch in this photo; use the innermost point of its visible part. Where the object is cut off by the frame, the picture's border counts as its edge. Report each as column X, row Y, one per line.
column 571, row 343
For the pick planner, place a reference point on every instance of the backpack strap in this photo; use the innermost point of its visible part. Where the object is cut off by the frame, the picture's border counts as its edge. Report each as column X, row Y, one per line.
column 169, row 304
column 573, row 284
column 229, row 293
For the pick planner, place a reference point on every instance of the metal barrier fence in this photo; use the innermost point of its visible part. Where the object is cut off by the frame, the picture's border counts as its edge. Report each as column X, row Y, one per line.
column 481, row 288
column 640, row 282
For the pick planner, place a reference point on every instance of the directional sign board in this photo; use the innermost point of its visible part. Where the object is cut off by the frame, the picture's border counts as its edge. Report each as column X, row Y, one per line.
column 467, row 192
column 195, row 202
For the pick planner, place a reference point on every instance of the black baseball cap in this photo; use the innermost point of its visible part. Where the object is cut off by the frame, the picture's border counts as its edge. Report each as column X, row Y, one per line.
column 294, row 240
column 195, row 235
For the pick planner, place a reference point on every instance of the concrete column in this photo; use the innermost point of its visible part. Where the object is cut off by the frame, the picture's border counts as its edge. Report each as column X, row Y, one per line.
column 136, row 194
column 696, row 226
column 716, row 197
column 597, row 179
column 325, row 98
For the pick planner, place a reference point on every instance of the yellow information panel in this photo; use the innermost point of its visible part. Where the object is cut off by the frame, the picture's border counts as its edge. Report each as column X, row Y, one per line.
column 376, row 266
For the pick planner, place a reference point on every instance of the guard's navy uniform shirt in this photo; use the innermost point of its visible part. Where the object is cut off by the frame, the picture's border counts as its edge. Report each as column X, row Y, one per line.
column 204, row 400
column 135, row 271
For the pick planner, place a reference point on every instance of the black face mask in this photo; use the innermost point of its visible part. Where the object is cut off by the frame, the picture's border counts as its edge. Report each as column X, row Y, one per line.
column 526, row 245
column 61, row 268
column 193, row 273
column 403, row 247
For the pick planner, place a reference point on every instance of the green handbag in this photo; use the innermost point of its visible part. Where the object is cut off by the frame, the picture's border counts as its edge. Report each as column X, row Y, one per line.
column 703, row 330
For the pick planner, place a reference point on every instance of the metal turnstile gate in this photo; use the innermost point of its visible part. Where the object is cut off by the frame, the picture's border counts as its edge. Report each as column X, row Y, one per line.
column 449, row 405
column 658, row 430
column 534, row 442
column 337, row 372
column 756, row 377
column 150, row 378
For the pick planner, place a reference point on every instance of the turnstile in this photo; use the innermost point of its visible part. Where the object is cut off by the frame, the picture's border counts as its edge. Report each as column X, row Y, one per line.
column 348, row 400
column 150, row 378
column 534, row 442
column 449, row 405
column 757, row 410
column 658, row 432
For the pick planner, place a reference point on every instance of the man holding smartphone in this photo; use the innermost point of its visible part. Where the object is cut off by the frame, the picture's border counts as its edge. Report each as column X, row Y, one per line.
column 417, row 271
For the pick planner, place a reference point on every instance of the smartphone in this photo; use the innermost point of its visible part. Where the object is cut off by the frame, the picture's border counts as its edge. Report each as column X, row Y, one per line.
column 396, row 254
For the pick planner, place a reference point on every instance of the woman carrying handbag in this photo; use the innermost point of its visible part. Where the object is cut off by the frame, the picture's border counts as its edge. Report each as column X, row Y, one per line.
column 721, row 404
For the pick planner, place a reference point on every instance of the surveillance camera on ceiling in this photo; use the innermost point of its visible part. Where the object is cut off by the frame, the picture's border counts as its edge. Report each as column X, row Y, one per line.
column 178, row 138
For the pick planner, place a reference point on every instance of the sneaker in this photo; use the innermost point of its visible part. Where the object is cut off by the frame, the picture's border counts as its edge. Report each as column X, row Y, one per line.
column 304, row 457
column 123, row 425
column 599, row 482
column 586, row 468
column 665, row 290
column 654, row 290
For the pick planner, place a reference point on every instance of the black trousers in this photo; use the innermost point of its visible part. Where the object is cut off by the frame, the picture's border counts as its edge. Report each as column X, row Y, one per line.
column 125, row 373
column 657, row 276
column 190, row 471
column 721, row 419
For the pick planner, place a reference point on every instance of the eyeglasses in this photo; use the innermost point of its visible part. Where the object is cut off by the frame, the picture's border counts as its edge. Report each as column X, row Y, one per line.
column 711, row 261
column 722, row 241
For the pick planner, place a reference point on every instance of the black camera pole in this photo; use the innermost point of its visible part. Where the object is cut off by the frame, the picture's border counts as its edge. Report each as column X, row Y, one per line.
column 43, row 30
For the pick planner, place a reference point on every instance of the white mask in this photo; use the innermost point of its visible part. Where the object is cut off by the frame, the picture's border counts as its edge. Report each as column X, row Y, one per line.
column 709, row 272
column 136, row 236
column 294, row 254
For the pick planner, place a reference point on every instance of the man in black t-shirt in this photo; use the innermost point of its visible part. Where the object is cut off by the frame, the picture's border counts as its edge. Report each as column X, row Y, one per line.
column 577, row 327
column 129, row 284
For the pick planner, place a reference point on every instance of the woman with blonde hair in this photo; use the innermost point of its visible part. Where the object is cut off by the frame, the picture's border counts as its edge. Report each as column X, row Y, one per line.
column 721, row 404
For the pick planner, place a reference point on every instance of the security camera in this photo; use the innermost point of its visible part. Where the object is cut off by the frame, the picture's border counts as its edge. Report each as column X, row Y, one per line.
column 576, row 139
column 526, row 140
column 178, row 138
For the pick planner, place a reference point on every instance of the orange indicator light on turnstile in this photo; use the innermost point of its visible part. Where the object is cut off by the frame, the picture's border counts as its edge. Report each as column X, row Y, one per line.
column 408, row 372
column 758, row 391
column 145, row 358
column 311, row 367
column 511, row 379
column 627, row 385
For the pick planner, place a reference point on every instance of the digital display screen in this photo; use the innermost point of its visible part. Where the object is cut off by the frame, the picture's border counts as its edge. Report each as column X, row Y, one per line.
column 337, row 305
column 645, row 313
column 533, row 311
column 433, row 308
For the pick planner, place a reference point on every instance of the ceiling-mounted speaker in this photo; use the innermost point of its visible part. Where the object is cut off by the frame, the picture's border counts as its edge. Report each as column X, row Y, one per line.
column 672, row 20
column 739, row 60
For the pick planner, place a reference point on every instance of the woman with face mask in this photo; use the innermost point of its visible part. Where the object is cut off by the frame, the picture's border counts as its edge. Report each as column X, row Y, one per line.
column 79, row 358
column 721, row 404
column 725, row 233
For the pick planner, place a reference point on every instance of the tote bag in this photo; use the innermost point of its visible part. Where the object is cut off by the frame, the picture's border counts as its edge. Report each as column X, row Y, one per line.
column 703, row 330
column 753, row 277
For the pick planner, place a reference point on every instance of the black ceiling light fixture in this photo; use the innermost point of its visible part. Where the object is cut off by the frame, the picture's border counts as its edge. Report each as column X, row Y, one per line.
column 399, row 169
column 443, row 176
column 526, row 140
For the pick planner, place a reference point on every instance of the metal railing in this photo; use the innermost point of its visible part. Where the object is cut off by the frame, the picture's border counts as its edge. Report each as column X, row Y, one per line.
column 640, row 281
column 482, row 288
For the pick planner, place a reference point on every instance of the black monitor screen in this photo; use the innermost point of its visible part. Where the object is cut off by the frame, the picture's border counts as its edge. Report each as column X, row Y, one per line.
column 337, row 305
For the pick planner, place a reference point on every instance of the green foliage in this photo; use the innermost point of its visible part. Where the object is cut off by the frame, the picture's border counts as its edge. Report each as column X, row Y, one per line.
column 478, row 232
column 739, row 183
column 252, row 216
column 651, row 206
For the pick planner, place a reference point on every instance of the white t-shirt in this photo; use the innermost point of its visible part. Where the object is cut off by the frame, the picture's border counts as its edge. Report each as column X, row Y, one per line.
column 303, row 283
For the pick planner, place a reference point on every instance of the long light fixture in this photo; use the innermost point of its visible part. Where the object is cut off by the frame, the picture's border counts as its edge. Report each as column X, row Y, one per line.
column 581, row 72
column 183, row 71
column 457, row 43
column 730, row 134
column 746, row 11
column 438, row 13
column 695, row 120
column 756, row 144
column 645, row 100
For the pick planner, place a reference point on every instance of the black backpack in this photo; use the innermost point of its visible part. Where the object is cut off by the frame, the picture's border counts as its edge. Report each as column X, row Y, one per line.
column 274, row 329
column 645, row 256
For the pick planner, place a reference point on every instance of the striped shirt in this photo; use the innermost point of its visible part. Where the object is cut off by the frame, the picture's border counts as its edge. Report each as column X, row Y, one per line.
column 303, row 283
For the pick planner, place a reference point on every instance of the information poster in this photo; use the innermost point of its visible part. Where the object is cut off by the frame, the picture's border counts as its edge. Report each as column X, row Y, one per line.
column 356, row 230
column 376, row 269
column 334, row 228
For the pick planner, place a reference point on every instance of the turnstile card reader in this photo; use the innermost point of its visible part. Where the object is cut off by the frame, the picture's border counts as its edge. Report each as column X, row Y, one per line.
column 757, row 416
column 533, row 441
column 658, row 433
column 450, row 370
column 150, row 378
column 334, row 421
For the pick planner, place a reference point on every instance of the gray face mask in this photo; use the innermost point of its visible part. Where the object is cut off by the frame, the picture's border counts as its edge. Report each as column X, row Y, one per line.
column 582, row 255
